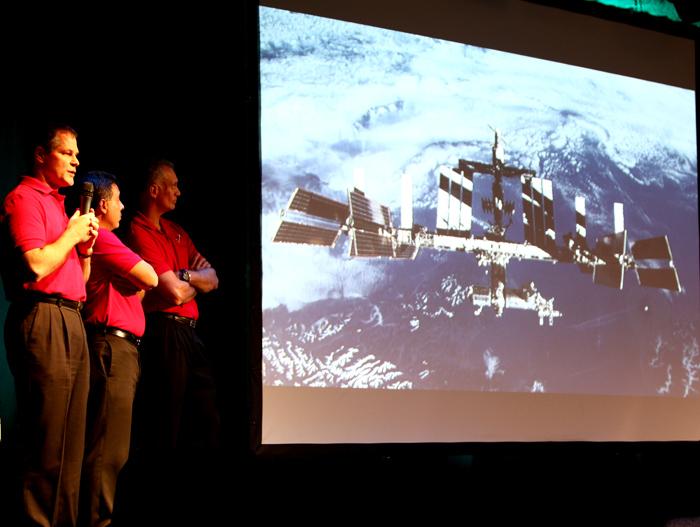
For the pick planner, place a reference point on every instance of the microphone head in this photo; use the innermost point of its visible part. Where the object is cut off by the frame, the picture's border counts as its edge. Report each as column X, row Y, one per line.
column 86, row 196
column 88, row 189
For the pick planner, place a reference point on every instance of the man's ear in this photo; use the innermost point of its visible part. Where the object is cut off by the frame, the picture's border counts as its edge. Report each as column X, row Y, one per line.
column 102, row 207
column 153, row 190
column 39, row 155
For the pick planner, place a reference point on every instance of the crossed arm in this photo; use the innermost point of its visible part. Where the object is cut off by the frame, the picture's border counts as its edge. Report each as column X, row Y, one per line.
column 202, row 280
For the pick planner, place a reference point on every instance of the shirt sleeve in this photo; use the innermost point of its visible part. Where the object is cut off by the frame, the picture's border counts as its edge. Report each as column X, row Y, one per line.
column 110, row 252
column 26, row 222
column 145, row 246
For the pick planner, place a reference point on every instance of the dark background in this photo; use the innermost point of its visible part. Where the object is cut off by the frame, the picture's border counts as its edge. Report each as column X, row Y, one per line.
column 182, row 83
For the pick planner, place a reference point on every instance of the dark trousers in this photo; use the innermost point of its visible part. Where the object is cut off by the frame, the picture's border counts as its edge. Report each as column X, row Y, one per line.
column 176, row 399
column 114, row 372
column 48, row 356
column 175, row 466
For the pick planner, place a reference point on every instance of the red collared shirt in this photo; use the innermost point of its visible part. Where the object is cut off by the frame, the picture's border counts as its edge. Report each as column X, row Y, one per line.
column 167, row 249
column 111, row 297
column 36, row 216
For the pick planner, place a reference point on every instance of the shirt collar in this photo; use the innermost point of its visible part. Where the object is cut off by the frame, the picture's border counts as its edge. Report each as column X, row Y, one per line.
column 143, row 220
column 42, row 187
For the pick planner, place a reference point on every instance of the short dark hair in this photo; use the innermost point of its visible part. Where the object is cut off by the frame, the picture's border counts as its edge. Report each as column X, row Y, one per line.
column 45, row 137
column 155, row 170
column 102, row 182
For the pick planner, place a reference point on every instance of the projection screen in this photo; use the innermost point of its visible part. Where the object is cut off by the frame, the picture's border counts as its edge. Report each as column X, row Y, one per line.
column 476, row 240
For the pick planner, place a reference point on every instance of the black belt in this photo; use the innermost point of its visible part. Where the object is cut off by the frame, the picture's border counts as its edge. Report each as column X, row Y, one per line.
column 177, row 318
column 109, row 330
column 56, row 300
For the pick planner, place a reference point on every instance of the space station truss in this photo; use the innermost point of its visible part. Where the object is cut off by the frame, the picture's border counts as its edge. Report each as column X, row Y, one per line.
column 313, row 219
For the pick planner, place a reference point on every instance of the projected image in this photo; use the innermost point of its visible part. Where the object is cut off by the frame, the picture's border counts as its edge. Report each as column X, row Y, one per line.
column 438, row 216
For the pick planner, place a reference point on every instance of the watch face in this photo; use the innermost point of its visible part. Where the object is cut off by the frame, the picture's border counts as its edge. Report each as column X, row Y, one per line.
column 185, row 275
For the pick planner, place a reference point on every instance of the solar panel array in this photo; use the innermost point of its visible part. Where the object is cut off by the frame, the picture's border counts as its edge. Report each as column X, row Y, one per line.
column 370, row 227
column 368, row 244
column 290, row 232
column 320, row 206
column 455, row 195
column 652, row 248
column 610, row 248
column 319, row 220
column 663, row 278
column 538, row 212
column 367, row 213
column 654, row 264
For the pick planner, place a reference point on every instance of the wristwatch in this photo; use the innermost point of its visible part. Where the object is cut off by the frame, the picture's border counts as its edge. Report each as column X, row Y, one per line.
column 184, row 275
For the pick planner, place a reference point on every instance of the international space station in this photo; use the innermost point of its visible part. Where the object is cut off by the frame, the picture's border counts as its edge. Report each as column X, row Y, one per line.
column 313, row 219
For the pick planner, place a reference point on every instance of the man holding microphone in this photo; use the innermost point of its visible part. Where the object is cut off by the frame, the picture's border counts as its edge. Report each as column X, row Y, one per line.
column 46, row 261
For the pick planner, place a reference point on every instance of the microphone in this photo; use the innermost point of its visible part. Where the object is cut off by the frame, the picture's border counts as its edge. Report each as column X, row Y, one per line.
column 86, row 197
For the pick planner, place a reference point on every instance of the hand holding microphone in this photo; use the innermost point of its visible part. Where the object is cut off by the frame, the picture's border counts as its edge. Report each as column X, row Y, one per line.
column 86, row 193
column 85, row 220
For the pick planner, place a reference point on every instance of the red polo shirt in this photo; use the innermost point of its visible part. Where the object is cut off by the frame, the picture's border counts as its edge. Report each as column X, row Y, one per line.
column 111, row 297
column 36, row 217
column 167, row 249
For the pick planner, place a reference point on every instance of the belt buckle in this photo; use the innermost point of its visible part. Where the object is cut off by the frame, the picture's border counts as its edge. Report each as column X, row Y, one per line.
column 124, row 335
